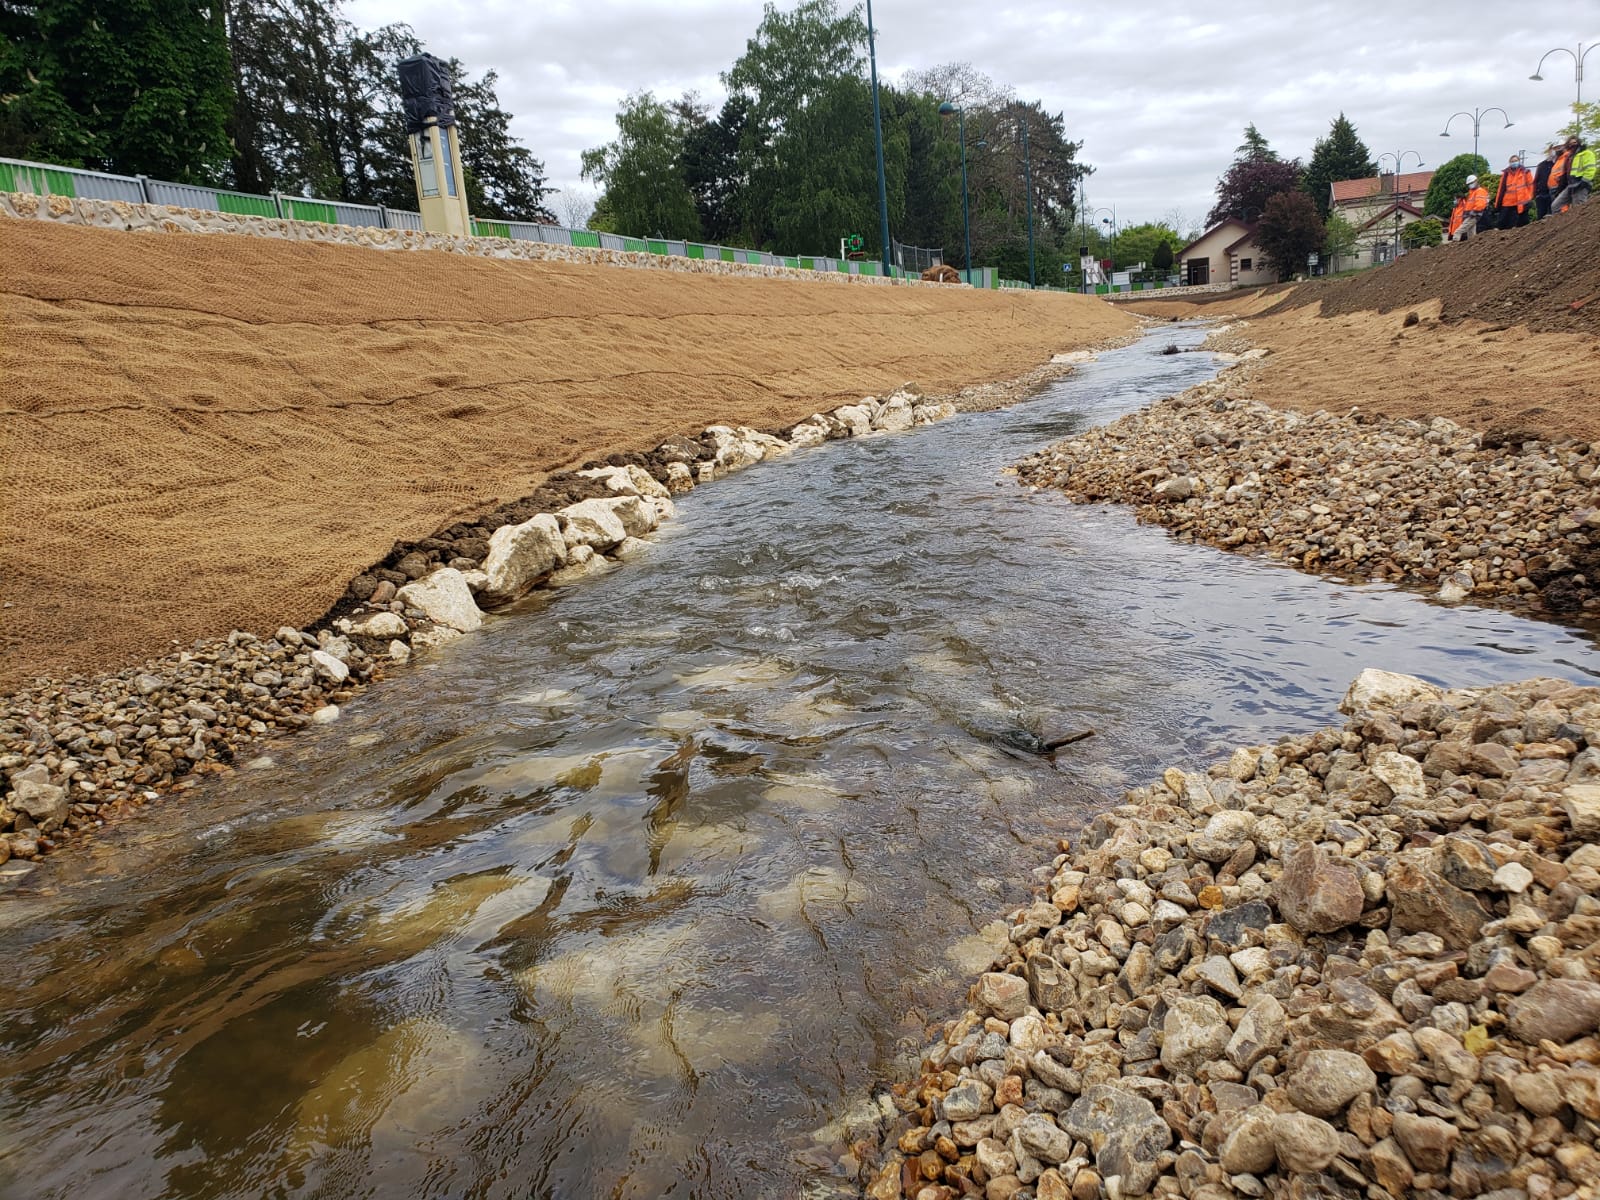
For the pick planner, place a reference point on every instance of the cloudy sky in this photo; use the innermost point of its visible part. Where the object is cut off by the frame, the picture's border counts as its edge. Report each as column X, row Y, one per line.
column 1158, row 91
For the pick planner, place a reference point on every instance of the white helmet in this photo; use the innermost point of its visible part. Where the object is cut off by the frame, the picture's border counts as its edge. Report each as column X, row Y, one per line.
column 1472, row 180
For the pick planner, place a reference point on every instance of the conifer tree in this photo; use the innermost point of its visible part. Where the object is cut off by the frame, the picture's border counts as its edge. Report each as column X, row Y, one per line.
column 1339, row 156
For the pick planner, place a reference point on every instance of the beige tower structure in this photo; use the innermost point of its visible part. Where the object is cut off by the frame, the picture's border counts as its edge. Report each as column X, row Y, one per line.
column 435, row 145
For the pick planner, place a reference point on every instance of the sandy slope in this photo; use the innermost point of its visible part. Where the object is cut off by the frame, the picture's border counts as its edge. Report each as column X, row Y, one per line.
column 209, row 432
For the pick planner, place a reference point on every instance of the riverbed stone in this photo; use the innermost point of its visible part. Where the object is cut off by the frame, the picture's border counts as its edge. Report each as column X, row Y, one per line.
column 1556, row 1010
column 45, row 803
column 445, row 599
column 380, row 625
column 1194, row 1032
column 1318, row 893
column 1123, row 1132
column 1328, row 1080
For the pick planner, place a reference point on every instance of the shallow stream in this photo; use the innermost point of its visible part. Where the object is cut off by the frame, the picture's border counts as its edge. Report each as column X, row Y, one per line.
column 630, row 894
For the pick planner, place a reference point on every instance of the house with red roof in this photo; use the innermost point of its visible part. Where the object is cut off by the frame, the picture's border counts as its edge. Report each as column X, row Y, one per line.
column 1379, row 207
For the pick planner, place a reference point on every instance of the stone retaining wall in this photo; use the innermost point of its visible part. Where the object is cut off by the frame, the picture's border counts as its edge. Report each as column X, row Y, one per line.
column 1169, row 293
column 156, row 218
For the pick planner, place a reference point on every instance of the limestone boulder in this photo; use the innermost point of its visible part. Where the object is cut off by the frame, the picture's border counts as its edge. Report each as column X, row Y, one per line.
column 445, row 599
column 593, row 523
column 522, row 555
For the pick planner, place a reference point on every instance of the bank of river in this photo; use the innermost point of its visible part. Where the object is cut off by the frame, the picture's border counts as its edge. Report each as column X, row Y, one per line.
column 636, row 892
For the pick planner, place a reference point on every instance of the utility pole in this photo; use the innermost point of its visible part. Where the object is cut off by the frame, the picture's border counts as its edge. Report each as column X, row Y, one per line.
column 1027, row 179
column 877, row 133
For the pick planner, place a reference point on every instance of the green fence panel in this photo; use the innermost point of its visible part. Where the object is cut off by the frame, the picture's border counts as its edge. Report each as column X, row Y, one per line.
column 585, row 237
column 497, row 229
column 656, row 247
column 36, row 180
column 696, row 251
column 844, row 265
column 311, row 210
column 792, row 262
column 870, row 268
column 726, row 254
column 1102, row 289
column 808, row 264
column 633, row 245
column 246, row 206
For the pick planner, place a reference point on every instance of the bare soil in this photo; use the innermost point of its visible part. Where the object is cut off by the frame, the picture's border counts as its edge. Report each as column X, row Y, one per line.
column 207, row 433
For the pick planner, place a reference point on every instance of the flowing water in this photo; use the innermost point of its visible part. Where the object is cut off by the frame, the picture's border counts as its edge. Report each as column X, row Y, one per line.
column 631, row 893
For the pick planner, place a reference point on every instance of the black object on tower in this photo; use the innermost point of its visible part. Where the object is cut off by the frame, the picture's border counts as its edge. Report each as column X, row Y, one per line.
column 425, row 92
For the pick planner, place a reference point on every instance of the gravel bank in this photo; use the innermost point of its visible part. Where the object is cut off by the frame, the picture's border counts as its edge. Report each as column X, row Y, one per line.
column 1356, row 963
column 1487, row 514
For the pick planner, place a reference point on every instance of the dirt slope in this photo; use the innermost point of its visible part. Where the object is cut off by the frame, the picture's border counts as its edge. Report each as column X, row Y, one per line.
column 209, row 432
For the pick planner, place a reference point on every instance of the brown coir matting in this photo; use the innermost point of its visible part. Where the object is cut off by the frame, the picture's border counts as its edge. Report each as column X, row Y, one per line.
column 207, row 432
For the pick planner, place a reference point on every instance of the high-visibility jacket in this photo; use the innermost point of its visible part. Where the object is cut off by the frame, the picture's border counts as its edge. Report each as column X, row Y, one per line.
column 1516, row 188
column 1457, row 215
column 1477, row 200
column 1582, row 166
column 1558, row 172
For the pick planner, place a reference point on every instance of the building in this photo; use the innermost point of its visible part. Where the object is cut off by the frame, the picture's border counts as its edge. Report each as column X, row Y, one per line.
column 1225, row 253
column 1379, row 208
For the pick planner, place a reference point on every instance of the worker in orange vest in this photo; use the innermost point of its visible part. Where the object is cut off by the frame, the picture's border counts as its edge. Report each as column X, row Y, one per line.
column 1474, row 211
column 1513, row 196
column 1457, row 215
column 1559, row 170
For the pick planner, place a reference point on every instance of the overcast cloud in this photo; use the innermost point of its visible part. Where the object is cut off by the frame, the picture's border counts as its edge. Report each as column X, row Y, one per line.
column 1159, row 92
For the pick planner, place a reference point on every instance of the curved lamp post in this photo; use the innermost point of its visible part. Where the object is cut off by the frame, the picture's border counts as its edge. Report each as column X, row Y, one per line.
column 1578, row 56
column 1112, row 222
column 877, row 135
column 1027, row 182
column 945, row 110
column 1476, row 117
column 1399, row 162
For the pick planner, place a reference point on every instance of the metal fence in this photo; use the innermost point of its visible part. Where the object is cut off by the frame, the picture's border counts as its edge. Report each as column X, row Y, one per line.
column 914, row 260
column 43, row 179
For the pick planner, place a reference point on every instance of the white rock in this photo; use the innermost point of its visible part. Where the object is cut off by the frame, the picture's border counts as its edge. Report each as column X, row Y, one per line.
column 521, row 555
column 927, row 414
column 857, row 419
column 645, row 483
column 330, row 667
column 593, row 523
column 895, row 415
column 665, row 508
column 326, row 715
column 1401, row 772
column 638, row 515
column 679, row 478
column 807, row 434
column 445, row 599
column 380, row 625
column 476, row 580
column 1375, row 689
column 770, row 446
column 399, row 652
column 427, row 639
column 615, row 478
column 629, row 547
column 1513, row 877
column 579, row 571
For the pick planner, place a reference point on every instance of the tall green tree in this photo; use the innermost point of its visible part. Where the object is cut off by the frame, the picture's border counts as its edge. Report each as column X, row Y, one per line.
column 1339, row 156
column 1254, row 148
column 132, row 86
column 1450, row 181
column 646, row 192
column 711, row 164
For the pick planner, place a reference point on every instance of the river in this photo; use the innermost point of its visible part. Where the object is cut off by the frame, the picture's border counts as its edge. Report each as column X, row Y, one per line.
column 631, row 893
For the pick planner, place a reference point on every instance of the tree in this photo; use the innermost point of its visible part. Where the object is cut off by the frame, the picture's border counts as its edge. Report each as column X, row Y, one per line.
column 1140, row 243
column 1427, row 232
column 1450, row 181
column 1290, row 232
column 139, row 86
column 1247, row 185
column 1254, row 148
column 711, row 165
column 1584, row 117
column 1339, row 156
column 1163, row 256
column 1339, row 237
column 642, row 172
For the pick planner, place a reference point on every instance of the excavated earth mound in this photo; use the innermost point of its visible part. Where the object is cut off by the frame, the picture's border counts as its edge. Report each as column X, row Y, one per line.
column 1528, row 276
column 204, row 432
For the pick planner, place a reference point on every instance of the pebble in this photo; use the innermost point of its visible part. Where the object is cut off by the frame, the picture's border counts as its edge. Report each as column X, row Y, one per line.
column 1403, row 1002
column 1426, row 503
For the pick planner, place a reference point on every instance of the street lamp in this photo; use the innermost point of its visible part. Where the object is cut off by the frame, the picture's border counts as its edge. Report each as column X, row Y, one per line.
column 1112, row 222
column 877, row 134
column 1578, row 56
column 945, row 110
column 1399, row 163
column 1476, row 117
column 1027, row 181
